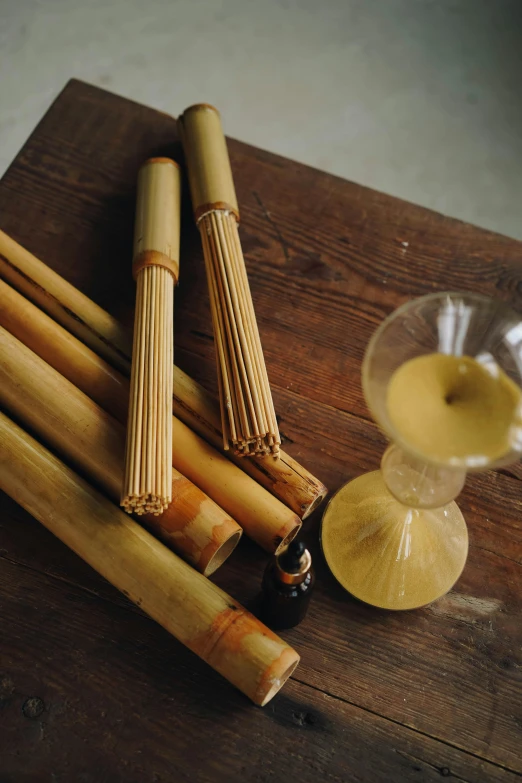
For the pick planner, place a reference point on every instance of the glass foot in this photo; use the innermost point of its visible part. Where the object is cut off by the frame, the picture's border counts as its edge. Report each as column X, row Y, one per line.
column 389, row 555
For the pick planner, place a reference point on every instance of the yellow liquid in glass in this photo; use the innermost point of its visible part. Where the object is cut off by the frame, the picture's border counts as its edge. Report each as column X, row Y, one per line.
column 389, row 555
column 453, row 409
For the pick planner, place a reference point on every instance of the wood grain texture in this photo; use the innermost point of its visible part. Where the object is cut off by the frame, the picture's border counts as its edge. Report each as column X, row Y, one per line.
column 378, row 696
column 112, row 707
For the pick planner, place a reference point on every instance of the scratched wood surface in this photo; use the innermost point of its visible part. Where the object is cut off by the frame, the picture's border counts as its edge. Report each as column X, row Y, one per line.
column 90, row 688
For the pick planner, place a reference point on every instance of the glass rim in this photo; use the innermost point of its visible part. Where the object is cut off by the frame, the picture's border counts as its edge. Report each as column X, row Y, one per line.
column 456, row 463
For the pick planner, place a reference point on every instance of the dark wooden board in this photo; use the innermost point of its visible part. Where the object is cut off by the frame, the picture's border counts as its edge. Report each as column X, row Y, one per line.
column 378, row 696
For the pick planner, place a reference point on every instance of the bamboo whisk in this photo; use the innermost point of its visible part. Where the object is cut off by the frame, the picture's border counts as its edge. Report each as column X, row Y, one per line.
column 147, row 484
column 247, row 409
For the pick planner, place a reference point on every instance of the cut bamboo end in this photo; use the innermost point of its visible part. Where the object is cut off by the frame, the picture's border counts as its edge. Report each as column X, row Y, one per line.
column 185, row 603
column 208, row 164
column 247, row 410
column 312, row 503
column 167, row 161
column 222, row 553
column 276, row 676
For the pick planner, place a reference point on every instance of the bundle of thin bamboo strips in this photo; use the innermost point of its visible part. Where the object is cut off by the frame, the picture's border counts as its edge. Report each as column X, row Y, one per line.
column 247, row 410
column 147, row 479
column 263, row 517
column 73, row 425
column 185, row 603
column 284, row 477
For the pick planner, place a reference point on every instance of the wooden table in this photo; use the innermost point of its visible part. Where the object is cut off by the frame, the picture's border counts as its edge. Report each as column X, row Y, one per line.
column 90, row 688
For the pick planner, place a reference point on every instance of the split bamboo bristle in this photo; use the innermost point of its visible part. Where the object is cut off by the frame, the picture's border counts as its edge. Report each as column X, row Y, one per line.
column 148, row 455
column 247, row 410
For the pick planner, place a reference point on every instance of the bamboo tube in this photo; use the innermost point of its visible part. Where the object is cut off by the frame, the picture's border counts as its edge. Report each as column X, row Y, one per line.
column 147, row 479
column 72, row 309
column 247, row 410
column 263, row 517
column 73, row 425
column 284, row 477
column 185, row 603
column 208, row 165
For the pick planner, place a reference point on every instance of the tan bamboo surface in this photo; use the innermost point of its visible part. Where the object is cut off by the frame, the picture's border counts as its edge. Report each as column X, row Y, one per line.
column 147, row 481
column 79, row 314
column 185, row 603
column 247, row 410
column 208, row 165
column 284, row 477
column 263, row 517
column 73, row 425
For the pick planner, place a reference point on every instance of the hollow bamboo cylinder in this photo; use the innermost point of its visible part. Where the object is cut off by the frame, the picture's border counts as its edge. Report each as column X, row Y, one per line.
column 264, row 518
column 284, row 477
column 79, row 430
column 185, row 603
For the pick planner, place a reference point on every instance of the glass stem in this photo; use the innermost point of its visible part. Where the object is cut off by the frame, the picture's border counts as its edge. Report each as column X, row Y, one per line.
column 419, row 484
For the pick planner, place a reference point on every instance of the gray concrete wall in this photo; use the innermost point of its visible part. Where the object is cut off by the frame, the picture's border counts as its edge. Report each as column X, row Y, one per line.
column 418, row 98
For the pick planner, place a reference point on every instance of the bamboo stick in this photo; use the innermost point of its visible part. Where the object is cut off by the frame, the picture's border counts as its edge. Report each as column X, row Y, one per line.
column 263, row 517
column 284, row 477
column 80, row 431
column 185, row 603
column 147, row 479
column 248, row 417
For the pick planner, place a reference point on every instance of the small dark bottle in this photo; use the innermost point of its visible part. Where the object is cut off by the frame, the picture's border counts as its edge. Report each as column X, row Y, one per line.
column 288, row 582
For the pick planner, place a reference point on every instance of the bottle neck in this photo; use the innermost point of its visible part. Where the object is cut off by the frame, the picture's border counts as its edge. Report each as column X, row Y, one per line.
column 298, row 576
column 418, row 484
